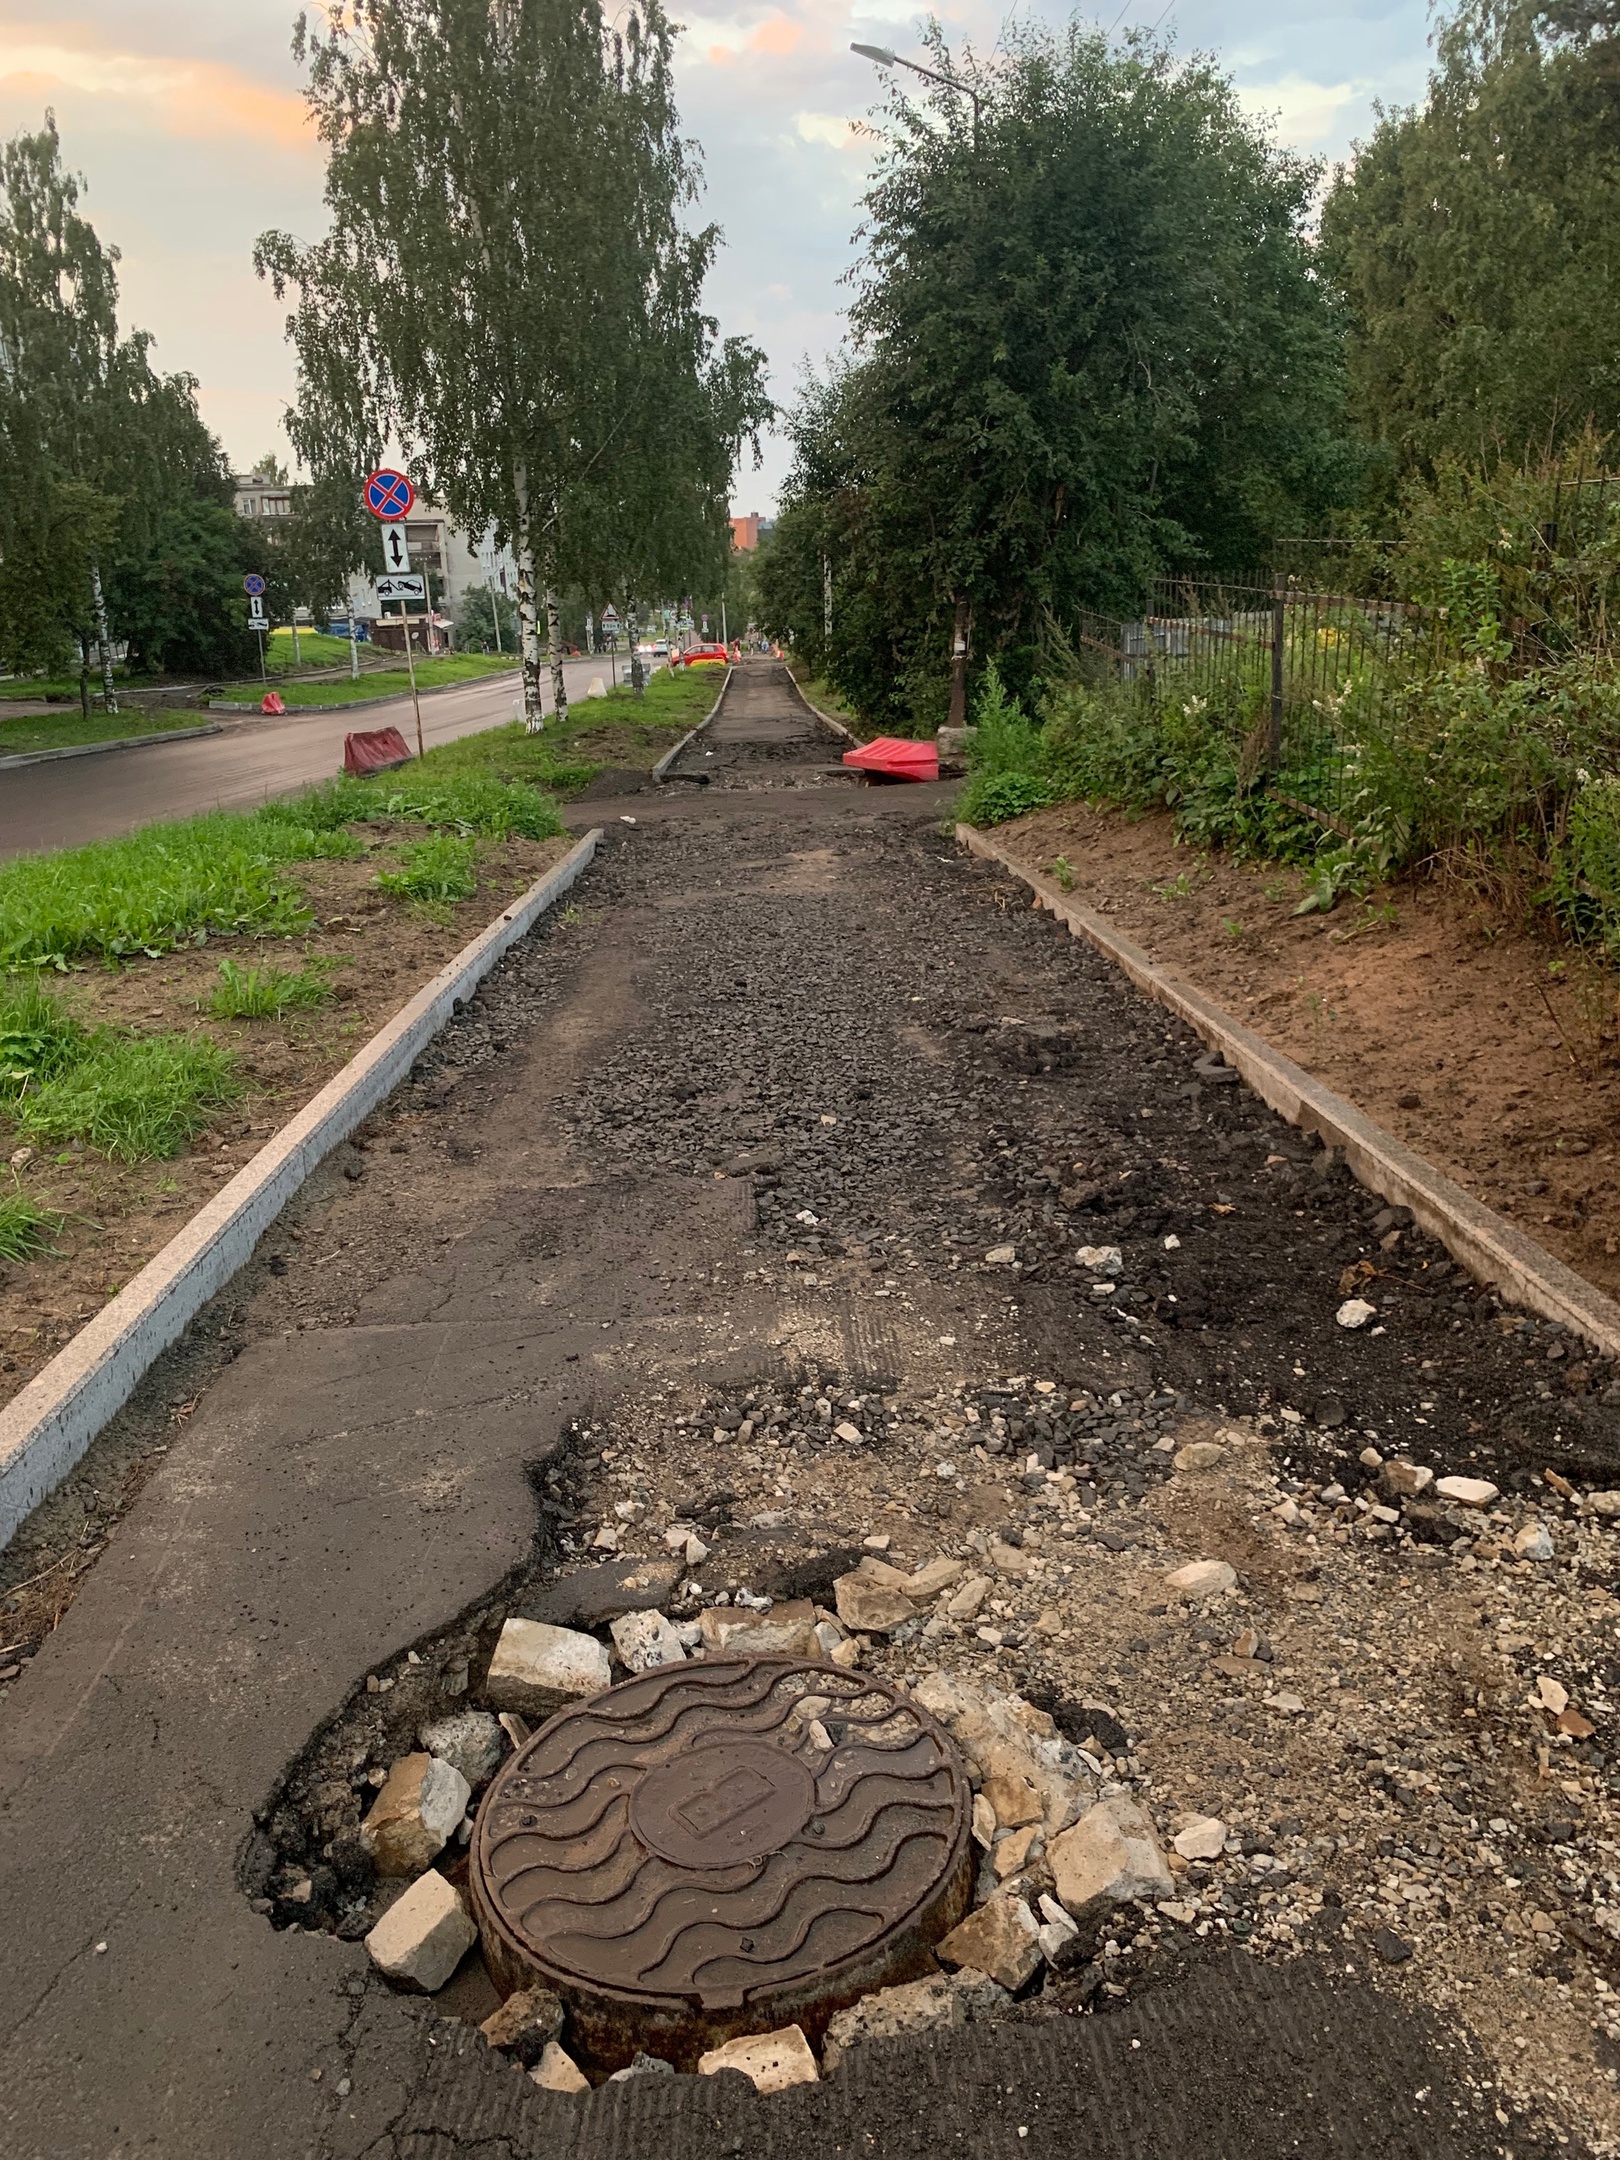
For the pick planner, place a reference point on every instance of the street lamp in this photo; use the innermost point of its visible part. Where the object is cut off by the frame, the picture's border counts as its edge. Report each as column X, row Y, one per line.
column 884, row 58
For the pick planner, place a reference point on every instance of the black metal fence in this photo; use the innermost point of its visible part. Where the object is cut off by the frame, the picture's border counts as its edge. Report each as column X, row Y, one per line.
column 1301, row 682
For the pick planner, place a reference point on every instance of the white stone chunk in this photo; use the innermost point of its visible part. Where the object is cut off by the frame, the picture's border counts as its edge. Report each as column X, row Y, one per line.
column 1202, row 1579
column 773, row 2060
column 1204, row 1839
column 558, row 2072
column 1109, row 1857
column 537, row 1669
column 1355, row 1312
column 1467, row 1491
column 423, row 1936
column 645, row 1640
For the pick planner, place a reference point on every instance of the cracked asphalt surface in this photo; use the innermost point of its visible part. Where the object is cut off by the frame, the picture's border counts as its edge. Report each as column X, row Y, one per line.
column 786, row 1055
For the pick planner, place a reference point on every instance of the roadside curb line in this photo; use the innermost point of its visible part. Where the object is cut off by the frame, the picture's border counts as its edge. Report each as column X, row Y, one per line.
column 118, row 742
column 826, row 719
column 363, row 704
column 713, row 713
column 1492, row 1249
column 47, row 1428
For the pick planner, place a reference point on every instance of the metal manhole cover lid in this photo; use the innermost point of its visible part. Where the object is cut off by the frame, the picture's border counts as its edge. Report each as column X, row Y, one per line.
column 724, row 1833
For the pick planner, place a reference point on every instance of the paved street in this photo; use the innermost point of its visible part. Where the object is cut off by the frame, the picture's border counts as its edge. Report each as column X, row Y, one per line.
column 751, row 1126
column 70, row 800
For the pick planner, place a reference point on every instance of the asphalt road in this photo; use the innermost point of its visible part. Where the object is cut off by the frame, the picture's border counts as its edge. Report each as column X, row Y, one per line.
column 540, row 1227
column 71, row 800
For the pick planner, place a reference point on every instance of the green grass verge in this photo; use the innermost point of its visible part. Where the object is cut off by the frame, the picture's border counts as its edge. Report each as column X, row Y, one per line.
column 390, row 682
column 229, row 874
column 131, row 1096
column 617, row 730
column 62, row 731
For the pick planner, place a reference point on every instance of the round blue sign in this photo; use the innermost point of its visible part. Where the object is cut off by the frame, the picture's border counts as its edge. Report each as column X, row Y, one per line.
column 253, row 584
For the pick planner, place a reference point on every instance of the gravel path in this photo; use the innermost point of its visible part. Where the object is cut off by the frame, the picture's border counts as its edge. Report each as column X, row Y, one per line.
column 799, row 1121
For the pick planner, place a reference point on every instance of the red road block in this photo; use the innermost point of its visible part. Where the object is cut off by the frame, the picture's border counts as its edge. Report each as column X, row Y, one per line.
column 377, row 751
column 896, row 759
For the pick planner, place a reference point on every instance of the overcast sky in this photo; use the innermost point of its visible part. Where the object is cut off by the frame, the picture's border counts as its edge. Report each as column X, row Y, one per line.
column 185, row 118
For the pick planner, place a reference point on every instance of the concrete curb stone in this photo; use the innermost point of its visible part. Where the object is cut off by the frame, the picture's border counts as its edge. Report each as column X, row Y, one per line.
column 47, row 1427
column 1491, row 1249
column 667, row 760
column 118, row 742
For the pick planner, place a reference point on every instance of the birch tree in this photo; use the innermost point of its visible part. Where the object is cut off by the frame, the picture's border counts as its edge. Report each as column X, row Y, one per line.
column 507, row 288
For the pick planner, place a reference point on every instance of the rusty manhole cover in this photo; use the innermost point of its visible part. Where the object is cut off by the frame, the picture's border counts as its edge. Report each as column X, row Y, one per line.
column 720, row 1847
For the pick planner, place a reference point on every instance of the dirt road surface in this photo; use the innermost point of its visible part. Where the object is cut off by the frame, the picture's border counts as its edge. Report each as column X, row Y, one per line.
column 794, row 1123
column 70, row 800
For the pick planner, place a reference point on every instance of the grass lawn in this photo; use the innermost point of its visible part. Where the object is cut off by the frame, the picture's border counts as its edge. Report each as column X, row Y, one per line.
column 823, row 696
column 59, row 731
column 432, row 674
column 617, row 732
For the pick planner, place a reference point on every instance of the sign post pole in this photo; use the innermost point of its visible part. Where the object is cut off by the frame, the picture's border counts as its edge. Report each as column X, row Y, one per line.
column 389, row 497
column 410, row 662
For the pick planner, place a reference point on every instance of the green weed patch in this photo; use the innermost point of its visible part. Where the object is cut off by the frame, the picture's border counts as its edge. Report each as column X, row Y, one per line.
column 26, row 1228
column 433, row 871
column 130, row 1096
column 266, row 993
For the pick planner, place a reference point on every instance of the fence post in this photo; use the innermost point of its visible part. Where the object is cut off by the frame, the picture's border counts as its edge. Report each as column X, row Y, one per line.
column 1274, row 742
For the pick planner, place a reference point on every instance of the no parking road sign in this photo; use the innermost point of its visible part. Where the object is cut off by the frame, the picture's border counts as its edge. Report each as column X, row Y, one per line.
column 389, row 494
column 253, row 584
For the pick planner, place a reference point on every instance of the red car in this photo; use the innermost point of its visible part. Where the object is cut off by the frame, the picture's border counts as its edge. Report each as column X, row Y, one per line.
column 701, row 653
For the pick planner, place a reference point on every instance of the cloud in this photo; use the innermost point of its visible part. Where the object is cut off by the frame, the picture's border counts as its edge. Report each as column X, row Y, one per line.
column 1308, row 114
column 826, row 128
column 201, row 100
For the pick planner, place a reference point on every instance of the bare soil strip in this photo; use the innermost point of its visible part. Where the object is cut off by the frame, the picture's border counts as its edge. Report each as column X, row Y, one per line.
column 1488, row 1052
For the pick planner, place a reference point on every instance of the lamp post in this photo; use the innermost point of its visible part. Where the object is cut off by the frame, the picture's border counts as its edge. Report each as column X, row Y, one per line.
column 881, row 55
column 962, row 612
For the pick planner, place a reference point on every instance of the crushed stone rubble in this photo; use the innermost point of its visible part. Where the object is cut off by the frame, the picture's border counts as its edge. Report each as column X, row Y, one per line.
column 1274, row 1614
column 1208, row 1693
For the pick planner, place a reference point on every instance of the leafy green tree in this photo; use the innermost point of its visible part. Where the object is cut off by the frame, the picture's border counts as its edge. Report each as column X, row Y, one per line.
column 1088, row 340
column 110, row 485
column 508, row 288
column 1473, row 239
column 481, row 610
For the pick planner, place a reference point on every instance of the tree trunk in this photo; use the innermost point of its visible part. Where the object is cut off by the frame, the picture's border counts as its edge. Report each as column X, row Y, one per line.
column 534, row 717
column 559, row 688
column 109, row 694
column 961, row 631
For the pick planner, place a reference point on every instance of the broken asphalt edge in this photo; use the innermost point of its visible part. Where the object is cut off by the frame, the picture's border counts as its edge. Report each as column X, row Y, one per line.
column 1491, row 1249
column 47, row 1427
column 826, row 719
column 118, row 742
column 667, row 760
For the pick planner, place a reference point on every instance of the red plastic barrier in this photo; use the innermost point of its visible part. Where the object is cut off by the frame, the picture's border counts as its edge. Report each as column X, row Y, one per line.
column 896, row 758
column 273, row 703
column 378, row 751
